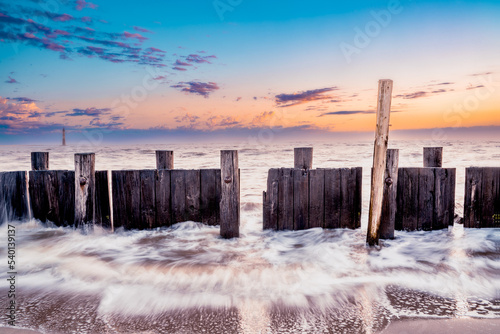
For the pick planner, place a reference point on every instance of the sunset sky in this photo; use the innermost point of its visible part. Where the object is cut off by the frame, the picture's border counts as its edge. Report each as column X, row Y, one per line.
column 185, row 68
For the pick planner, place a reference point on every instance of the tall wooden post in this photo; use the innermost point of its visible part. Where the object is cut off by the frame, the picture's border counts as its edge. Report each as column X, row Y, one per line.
column 39, row 160
column 388, row 220
column 164, row 159
column 230, row 195
column 303, row 157
column 379, row 160
column 433, row 157
column 85, row 190
column 64, row 137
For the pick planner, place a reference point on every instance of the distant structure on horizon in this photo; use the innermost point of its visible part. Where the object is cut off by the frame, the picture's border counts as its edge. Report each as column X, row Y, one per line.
column 64, row 137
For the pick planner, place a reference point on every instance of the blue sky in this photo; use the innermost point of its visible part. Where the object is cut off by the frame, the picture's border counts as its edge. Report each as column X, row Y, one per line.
column 215, row 66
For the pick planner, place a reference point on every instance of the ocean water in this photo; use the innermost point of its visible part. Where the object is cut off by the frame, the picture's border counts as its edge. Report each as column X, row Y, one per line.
column 185, row 279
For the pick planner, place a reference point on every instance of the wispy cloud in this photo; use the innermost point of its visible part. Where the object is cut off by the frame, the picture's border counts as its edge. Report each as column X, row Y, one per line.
column 81, row 4
column 195, row 87
column 139, row 29
column 288, row 100
column 89, row 112
column 11, row 80
column 347, row 112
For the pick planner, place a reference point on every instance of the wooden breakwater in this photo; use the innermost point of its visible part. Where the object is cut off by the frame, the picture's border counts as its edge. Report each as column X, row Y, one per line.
column 132, row 199
column 482, row 197
column 301, row 197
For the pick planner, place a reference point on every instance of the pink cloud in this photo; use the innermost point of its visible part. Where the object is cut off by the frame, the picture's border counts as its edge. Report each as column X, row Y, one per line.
column 63, row 18
column 136, row 28
column 81, row 4
column 177, row 68
column 141, row 38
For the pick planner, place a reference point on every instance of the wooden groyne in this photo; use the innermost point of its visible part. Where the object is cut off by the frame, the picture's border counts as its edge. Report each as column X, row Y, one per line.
column 137, row 199
column 301, row 197
column 482, row 197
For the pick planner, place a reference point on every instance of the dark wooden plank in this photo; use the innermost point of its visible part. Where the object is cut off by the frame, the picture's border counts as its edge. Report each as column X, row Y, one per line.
column 193, row 191
column 426, row 184
column 433, row 157
column 44, row 194
column 411, row 199
column 300, row 199
column 400, row 200
column 444, row 199
column 490, row 198
column 358, row 197
column 496, row 198
column 303, row 157
column 39, row 160
column 450, row 195
column 273, row 196
column 218, row 185
column 285, row 199
column 389, row 205
column 162, row 198
column 178, row 195
column 14, row 196
column 102, row 202
column 473, row 198
column 332, row 198
column 85, row 190
column 126, row 199
column 265, row 212
column 66, row 195
column 147, row 199
column 164, row 159
column 230, row 195
column 316, row 198
column 347, row 198
column 208, row 198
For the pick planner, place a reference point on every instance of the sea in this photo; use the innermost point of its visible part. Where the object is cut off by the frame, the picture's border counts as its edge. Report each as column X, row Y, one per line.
column 186, row 279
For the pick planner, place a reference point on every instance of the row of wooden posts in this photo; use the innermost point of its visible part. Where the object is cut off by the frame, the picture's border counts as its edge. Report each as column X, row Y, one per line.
column 296, row 198
column 137, row 199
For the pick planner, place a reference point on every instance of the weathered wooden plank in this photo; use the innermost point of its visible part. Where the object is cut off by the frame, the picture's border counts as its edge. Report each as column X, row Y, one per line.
column 272, row 196
column 85, row 190
column 147, row 199
column 348, row 196
column 164, row 159
column 358, row 197
column 230, row 195
column 316, row 198
column 473, row 197
column 411, row 198
column 102, row 202
column 14, row 196
column 126, row 198
column 285, row 199
column 379, row 160
column 490, row 198
column 433, row 157
column 66, row 197
column 178, row 195
column 303, row 157
column 193, row 191
column 450, row 191
column 332, row 198
column 444, row 199
column 162, row 198
column 400, row 200
column 43, row 196
column 387, row 222
column 209, row 206
column 300, row 199
column 39, row 160
column 426, row 184
column 218, row 185
column 265, row 212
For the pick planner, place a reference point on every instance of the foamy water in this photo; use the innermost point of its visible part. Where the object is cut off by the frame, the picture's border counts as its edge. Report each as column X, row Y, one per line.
column 186, row 279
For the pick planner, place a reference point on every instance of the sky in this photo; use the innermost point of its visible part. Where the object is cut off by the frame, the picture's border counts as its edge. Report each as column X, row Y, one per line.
column 197, row 69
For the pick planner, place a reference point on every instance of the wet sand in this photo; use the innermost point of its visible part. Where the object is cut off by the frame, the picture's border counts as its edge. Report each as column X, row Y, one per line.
column 413, row 326
column 444, row 326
